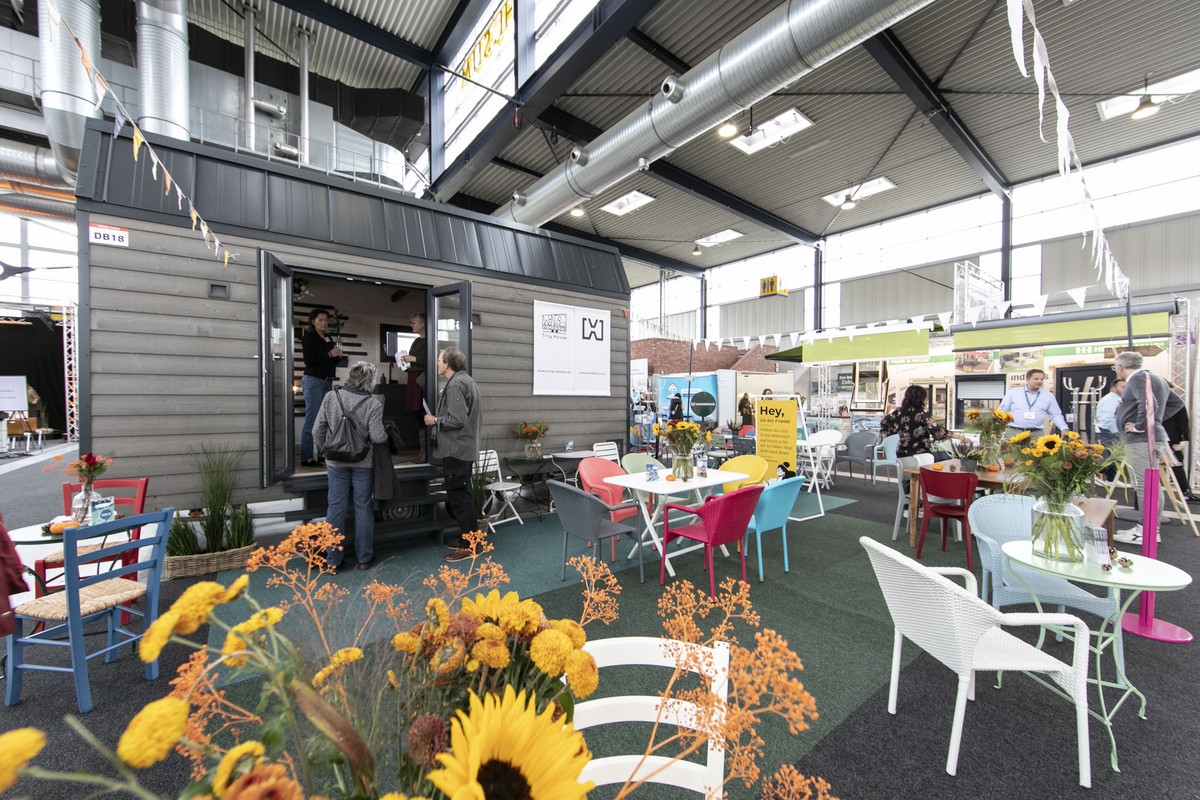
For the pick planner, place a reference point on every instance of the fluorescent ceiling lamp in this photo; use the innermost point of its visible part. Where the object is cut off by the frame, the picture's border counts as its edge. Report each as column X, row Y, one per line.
column 772, row 131
column 721, row 237
column 863, row 190
column 627, row 202
column 727, row 130
column 1162, row 91
column 577, row 211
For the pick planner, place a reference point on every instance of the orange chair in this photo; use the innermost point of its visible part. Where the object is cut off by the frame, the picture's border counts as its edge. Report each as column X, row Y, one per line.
column 946, row 487
column 135, row 504
column 592, row 472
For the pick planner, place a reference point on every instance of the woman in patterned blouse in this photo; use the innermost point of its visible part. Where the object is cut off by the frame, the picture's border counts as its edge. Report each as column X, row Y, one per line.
column 915, row 425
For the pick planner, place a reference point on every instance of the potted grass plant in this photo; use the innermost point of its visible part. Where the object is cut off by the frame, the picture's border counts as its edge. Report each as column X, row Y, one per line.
column 228, row 532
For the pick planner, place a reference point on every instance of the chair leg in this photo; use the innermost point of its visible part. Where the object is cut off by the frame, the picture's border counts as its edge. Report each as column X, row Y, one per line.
column 712, row 581
column 966, row 526
column 742, row 553
column 79, row 668
column 960, row 711
column 924, row 527
column 894, row 683
column 945, row 531
column 16, row 658
column 1085, row 751
column 783, row 534
column 564, row 569
column 758, row 539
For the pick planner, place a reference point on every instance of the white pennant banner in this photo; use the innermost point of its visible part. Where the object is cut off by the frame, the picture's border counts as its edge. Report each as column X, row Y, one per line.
column 795, row 337
column 776, row 337
column 762, row 341
column 944, row 318
column 1039, row 304
column 1079, row 295
column 746, row 342
column 973, row 313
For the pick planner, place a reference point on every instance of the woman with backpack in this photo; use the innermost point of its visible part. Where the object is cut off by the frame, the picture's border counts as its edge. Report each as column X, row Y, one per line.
column 350, row 420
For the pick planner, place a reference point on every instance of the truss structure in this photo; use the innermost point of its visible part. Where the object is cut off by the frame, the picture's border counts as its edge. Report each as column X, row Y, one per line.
column 71, row 368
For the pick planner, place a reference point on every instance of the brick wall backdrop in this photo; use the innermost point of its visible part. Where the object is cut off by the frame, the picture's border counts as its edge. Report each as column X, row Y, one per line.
column 671, row 356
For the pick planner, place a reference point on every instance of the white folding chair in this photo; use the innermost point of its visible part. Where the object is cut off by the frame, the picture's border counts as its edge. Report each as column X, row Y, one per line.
column 817, row 455
column 902, row 509
column 712, row 664
column 500, row 492
column 607, row 450
column 958, row 629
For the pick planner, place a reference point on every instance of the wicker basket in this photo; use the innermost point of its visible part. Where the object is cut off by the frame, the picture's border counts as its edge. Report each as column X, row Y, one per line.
column 204, row 563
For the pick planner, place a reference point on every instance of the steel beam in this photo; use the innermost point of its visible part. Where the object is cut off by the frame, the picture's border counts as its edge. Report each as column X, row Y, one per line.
column 658, row 51
column 634, row 253
column 360, row 29
column 887, row 51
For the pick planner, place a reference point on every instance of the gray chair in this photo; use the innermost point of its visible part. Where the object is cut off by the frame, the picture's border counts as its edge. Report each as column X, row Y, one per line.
column 586, row 517
column 860, row 449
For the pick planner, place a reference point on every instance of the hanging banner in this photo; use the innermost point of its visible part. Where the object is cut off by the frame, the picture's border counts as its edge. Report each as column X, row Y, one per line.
column 571, row 350
column 775, row 430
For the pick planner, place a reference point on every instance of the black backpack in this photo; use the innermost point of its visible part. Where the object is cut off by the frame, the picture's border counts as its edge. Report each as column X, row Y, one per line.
column 346, row 441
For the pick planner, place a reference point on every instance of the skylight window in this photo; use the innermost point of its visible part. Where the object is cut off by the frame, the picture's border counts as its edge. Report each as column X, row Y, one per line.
column 627, row 202
column 772, row 132
column 721, row 237
column 1164, row 91
column 859, row 192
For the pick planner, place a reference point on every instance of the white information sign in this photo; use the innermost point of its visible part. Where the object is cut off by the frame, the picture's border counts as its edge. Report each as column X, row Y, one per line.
column 108, row 235
column 12, row 394
column 571, row 350
column 639, row 375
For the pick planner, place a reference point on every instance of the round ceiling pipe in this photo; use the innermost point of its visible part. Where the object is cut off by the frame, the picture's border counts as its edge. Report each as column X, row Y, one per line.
column 164, row 87
column 68, row 98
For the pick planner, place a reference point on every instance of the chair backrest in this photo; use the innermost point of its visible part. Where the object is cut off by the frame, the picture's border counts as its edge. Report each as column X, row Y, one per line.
column 711, row 663
column 489, row 464
column 890, row 445
column 146, row 553
column 939, row 616
column 776, row 502
column 634, row 463
column 579, row 512
column 754, row 466
column 860, row 445
column 607, row 450
column 136, row 502
column 824, row 440
column 746, row 430
column 947, row 485
column 905, row 463
column 743, row 445
column 593, row 471
column 727, row 516
column 1002, row 518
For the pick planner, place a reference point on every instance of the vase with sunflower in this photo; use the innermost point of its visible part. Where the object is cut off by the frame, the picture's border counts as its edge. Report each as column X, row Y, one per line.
column 1056, row 469
column 87, row 468
column 682, row 436
column 990, row 425
column 531, row 433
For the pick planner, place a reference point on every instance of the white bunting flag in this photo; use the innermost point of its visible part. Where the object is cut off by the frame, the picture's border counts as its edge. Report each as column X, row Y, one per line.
column 775, row 337
column 1078, row 294
column 794, row 336
column 1039, row 304
column 973, row 313
column 944, row 319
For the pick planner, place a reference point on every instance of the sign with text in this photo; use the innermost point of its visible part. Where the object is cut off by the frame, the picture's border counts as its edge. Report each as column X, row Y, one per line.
column 571, row 350
column 108, row 235
column 775, row 430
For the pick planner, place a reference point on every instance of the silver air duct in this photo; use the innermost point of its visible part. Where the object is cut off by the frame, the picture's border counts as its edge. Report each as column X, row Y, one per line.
column 68, row 98
column 788, row 43
column 29, row 205
column 28, row 163
column 163, row 79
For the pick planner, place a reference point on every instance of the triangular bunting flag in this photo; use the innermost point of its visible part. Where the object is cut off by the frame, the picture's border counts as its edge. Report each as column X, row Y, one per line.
column 973, row 313
column 1002, row 309
column 179, row 200
column 1039, row 304
column 192, row 213
column 138, row 141
column 794, row 336
column 120, row 121
column 850, row 334
column 762, row 341
column 153, row 165
column 746, row 342
column 226, row 259
column 205, row 232
column 101, row 87
column 1079, row 295
column 944, row 319
column 775, row 337
column 167, row 181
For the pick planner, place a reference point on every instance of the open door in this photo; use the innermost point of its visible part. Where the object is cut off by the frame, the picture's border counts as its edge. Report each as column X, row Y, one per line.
column 278, row 429
column 449, row 324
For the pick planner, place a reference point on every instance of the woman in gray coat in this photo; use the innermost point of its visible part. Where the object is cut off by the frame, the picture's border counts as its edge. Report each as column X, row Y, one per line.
column 354, row 477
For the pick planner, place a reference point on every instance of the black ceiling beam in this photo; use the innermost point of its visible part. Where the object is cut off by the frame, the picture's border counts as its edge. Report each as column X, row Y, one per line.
column 504, row 162
column 887, row 51
column 609, row 21
column 582, row 132
column 633, row 253
column 658, row 51
column 360, row 29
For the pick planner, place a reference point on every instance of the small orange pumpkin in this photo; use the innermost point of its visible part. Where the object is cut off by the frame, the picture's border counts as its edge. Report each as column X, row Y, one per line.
column 993, row 468
column 938, row 467
column 670, row 477
column 59, row 527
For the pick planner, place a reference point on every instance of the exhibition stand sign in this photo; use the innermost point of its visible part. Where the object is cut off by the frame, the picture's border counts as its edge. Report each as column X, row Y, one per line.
column 775, row 429
column 671, row 385
column 572, row 353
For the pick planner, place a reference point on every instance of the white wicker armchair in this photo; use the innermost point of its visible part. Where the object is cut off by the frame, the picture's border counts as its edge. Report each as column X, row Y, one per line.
column 958, row 629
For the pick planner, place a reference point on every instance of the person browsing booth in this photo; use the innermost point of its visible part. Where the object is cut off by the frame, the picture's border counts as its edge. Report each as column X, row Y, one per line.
column 1030, row 405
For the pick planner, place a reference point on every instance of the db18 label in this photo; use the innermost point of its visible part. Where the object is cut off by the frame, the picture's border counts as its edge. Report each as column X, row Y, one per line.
column 108, row 235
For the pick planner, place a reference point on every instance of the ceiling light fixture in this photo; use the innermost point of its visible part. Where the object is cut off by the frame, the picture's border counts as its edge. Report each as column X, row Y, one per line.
column 772, row 132
column 1159, row 93
column 696, row 250
column 720, row 237
column 1146, row 108
column 627, row 202
column 727, row 130
column 860, row 192
column 848, row 203
column 577, row 211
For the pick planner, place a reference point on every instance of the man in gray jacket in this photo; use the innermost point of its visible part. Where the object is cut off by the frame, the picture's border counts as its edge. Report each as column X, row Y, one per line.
column 456, row 427
column 1133, row 421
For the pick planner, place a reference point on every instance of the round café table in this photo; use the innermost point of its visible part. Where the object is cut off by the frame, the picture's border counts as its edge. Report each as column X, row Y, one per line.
column 575, row 456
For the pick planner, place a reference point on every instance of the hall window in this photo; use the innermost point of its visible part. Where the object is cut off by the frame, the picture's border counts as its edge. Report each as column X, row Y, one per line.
column 486, row 62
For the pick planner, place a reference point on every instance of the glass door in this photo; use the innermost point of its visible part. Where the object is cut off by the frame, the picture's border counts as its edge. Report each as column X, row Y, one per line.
column 448, row 325
column 277, row 456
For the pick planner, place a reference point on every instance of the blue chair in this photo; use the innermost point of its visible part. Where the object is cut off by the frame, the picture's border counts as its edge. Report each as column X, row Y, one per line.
column 773, row 509
column 87, row 598
column 886, row 456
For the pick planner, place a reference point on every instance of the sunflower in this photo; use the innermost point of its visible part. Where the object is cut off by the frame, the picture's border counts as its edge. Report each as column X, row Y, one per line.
column 490, row 606
column 1020, row 437
column 503, row 745
column 1050, row 443
column 243, row 758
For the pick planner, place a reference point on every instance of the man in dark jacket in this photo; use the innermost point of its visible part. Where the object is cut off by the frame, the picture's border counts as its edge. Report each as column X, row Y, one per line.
column 456, row 425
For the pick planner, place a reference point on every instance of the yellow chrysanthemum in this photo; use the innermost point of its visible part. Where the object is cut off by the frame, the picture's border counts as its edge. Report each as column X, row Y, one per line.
column 236, row 588
column 1026, row 451
column 1039, row 452
column 399, row 796
column 582, row 674
column 449, row 657
column 156, row 636
column 1050, row 443
column 521, row 619
column 506, row 742
column 393, row 681
column 490, row 630
column 347, row 655
column 1072, row 435
column 655, row 429
column 437, row 614
column 241, row 759
column 406, row 642
column 1020, row 437
column 153, row 732
column 266, row 782
column 491, row 652
column 490, row 606
column 549, row 651
column 195, row 604
column 17, row 747
column 1029, row 463
column 572, row 629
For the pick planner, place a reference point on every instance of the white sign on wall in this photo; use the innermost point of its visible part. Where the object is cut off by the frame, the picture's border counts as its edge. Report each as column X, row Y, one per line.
column 108, row 234
column 571, row 350
column 12, row 394
column 639, row 375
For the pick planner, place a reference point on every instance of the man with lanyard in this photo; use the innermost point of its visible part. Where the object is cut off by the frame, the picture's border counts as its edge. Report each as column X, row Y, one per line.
column 1134, row 423
column 1106, row 422
column 1030, row 405
column 456, row 428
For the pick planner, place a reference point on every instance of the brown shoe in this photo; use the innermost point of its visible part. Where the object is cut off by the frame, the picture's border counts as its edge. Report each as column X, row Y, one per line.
column 457, row 555
column 457, row 544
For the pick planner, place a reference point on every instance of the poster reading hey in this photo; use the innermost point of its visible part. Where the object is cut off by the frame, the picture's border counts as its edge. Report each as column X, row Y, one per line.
column 571, row 350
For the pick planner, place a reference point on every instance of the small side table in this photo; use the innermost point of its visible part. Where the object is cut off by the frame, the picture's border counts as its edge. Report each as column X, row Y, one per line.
column 573, row 456
column 530, row 472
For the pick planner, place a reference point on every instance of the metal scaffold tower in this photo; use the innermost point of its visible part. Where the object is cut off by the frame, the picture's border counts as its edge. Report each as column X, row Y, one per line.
column 71, row 368
column 825, row 402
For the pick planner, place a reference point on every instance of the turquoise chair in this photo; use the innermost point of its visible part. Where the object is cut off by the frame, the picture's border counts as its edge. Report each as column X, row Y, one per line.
column 773, row 509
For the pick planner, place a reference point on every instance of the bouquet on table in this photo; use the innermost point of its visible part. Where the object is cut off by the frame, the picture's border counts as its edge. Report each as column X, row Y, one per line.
column 531, row 433
column 86, row 469
column 990, row 425
column 681, row 436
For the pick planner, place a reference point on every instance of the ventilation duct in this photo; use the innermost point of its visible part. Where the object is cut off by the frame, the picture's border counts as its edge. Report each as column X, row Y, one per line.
column 28, row 163
column 163, row 81
column 67, row 98
column 29, row 205
column 788, row 43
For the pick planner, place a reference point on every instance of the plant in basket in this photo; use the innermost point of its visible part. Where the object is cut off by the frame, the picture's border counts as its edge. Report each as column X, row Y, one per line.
column 531, row 433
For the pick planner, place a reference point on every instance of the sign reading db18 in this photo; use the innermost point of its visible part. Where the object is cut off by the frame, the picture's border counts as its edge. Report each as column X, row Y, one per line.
column 108, row 234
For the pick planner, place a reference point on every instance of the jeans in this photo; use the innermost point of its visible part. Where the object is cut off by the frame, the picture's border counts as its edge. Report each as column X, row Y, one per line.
column 342, row 481
column 1106, row 438
column 315, row 390
column 1137, row 456
column 457, row 475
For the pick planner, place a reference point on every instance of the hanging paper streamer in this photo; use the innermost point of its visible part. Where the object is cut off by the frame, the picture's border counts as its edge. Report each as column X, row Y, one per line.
column 1079, row 295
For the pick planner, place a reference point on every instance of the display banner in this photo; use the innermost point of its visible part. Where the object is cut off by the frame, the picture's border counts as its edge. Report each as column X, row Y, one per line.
column 775, row 431
column 670, row 385
column 571, row 350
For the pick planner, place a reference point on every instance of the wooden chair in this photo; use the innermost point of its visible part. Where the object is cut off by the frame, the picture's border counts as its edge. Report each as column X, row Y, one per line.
column 87, row 598
column 710, row 663
column 947, row 495
column 722, row 520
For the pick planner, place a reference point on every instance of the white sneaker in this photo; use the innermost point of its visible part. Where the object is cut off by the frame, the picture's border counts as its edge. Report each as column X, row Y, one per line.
column 1132, row 535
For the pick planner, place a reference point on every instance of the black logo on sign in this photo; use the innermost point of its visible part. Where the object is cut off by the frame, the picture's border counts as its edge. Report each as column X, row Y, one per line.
column 593, row 329
column 554, row 323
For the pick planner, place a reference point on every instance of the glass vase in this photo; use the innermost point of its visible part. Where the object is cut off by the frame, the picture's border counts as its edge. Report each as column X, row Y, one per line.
column 533, row 449
column 682, row 466
column 1058, row 529
column 81, row 504
column 991, row 453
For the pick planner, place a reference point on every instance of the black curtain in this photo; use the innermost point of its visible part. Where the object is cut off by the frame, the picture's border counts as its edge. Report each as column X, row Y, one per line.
column 35, row 352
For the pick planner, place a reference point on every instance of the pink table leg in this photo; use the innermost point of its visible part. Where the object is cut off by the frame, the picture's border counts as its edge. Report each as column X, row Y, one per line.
column 1143, row 623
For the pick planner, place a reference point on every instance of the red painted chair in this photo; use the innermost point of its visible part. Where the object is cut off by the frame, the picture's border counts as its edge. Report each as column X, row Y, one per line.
column 946, row 487
column 592, row 472
column 133, row 504
column 723, row 519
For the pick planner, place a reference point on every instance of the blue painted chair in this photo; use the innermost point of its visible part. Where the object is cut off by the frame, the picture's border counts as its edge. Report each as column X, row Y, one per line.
column 886, row 456
column 774, row 507
column 88, row 598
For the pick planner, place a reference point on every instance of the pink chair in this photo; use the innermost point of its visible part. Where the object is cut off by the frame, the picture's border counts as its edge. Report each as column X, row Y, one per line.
column 592, row 472
column 723, row 520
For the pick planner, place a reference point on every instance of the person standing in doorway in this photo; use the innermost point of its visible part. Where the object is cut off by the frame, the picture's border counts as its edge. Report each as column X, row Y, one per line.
column 414, row 393
column 1030, row 405
column 1106, row 422
column 321, row 358
column 456, row 428
column 1135, row 423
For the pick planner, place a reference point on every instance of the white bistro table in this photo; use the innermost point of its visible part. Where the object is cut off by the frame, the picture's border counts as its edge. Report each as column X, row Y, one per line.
column 643, row 489
column 1146, row 575
column 574, row 455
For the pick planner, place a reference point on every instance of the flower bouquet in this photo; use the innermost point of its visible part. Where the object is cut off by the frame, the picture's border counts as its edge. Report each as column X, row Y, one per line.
column 681, row 436
column 1056, row 468
column 990, row 425
column 531, row 433
column 86, row 469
